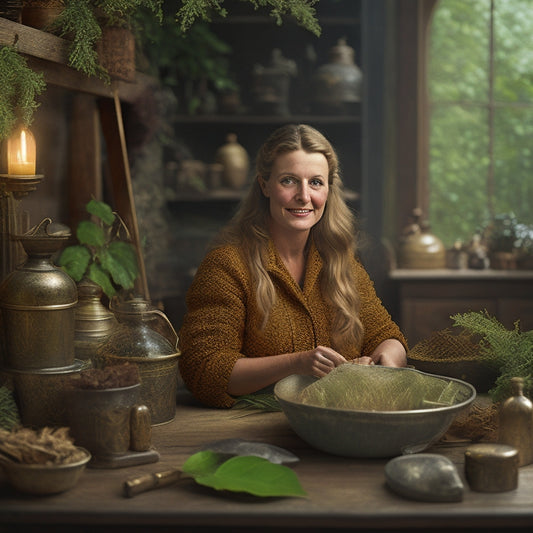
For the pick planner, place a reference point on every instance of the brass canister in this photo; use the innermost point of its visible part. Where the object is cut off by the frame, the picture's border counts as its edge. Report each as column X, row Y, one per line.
column 37, row 302
column 491, row 467
column 144, row 336
column 41, row 394
column 93, row 321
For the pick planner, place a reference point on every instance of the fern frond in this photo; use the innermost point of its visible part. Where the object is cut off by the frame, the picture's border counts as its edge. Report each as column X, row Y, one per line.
column 20, row 87
column 9, row 414
column 510, row 351
column 303, row 12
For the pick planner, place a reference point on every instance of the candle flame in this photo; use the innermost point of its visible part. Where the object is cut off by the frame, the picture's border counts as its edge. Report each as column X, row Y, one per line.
column 22, row 153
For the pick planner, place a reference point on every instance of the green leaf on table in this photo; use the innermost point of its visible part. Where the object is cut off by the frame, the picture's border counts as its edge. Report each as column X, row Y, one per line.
column 251, row 474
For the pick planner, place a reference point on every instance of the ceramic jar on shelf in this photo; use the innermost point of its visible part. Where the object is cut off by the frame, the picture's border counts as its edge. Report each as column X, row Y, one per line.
column 337, row 85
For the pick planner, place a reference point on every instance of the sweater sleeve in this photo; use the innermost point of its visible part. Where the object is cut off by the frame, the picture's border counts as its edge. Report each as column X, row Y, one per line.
column 377, row 322
column 211, row 336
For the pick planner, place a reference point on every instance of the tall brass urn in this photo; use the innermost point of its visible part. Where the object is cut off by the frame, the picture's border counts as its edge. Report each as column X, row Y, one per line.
column 37, row 302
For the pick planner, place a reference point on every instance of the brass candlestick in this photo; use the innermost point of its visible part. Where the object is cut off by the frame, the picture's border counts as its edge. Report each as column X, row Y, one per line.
column 13, row 187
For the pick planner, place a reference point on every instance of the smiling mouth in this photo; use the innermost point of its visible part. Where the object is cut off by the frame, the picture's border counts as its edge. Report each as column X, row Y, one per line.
column 300, row 211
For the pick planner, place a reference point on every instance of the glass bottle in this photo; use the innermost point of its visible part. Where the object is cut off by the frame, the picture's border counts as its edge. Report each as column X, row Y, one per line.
column 516, row 422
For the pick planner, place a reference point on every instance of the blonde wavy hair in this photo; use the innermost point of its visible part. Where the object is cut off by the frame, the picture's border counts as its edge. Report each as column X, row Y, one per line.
column 334, row 235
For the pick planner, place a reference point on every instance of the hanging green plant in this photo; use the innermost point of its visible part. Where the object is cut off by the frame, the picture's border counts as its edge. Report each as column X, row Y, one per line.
column 82, row 21
column 250, row 474
column 20, row 87
column 302, row 10
column 102, row 255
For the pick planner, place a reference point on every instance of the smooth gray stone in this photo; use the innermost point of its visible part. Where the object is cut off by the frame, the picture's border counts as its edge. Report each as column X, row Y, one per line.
column 425, row 477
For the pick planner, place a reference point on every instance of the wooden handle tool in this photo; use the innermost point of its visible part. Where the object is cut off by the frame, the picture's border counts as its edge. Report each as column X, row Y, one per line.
column 150, row 481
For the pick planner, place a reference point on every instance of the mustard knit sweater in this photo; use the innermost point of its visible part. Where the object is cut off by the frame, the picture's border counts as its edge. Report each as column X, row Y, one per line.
column 222, row 322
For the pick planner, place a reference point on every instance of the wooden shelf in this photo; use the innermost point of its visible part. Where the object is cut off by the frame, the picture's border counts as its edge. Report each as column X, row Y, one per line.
column 267, row 119
column 229, row 195
column 48, row 54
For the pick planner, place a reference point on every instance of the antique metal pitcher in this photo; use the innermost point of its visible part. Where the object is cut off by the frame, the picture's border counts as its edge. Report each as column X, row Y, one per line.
column 144, row 336
column 37, row 302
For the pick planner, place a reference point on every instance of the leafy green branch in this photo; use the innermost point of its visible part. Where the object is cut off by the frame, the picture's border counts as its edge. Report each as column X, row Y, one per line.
column 101, row 255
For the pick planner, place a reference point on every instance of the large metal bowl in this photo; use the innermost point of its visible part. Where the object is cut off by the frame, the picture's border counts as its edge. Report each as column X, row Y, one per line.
column 351, row 433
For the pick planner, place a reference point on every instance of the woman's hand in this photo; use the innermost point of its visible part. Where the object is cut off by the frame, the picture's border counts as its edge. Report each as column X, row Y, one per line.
column 390, row 353
column 320, row 361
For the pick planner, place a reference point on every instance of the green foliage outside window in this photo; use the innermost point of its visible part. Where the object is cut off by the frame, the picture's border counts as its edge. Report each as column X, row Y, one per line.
column 462, row 198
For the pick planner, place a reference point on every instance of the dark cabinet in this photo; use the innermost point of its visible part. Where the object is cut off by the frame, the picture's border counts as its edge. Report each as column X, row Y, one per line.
column 253, row 37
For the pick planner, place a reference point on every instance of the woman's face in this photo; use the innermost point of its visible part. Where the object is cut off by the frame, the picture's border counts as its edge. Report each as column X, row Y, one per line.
column 297, row 190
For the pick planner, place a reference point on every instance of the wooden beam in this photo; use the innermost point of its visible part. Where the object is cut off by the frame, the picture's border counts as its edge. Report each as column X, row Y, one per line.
column 123, row 201
column 85, row 161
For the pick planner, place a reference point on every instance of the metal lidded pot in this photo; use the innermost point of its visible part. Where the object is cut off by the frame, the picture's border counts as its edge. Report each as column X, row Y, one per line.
column 37, row 302
column 144, row 336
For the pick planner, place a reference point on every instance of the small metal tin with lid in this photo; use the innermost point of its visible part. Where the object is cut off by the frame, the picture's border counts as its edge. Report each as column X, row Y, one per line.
column 491, row 467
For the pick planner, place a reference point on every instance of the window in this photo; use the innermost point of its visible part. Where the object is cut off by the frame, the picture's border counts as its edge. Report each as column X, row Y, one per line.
column 480, row 90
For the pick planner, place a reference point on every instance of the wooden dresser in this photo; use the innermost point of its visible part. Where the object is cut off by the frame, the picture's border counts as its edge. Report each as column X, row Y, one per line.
column 427, row 298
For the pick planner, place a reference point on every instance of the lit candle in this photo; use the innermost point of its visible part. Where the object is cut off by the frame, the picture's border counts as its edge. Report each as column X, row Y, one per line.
column 21, row 153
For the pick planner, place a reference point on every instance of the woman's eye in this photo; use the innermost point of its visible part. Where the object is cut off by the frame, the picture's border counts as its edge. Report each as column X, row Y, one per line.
column 287, row 180
column 316, row 182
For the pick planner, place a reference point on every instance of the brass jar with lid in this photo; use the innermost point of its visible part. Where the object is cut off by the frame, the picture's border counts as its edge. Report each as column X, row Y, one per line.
column 37, row 302
column 144, row 336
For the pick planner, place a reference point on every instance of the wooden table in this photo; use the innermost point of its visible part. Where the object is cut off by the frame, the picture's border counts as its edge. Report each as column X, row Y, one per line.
column 343, row 493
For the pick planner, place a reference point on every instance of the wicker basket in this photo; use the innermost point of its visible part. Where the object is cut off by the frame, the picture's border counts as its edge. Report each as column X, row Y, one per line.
column 40, row 13
column 116, row 52
column 11, row 9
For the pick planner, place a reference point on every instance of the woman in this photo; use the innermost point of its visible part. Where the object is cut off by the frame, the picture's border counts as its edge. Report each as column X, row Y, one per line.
column 281, row 292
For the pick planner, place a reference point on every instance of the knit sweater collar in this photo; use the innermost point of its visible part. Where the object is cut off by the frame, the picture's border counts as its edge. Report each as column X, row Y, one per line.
column 277, row 268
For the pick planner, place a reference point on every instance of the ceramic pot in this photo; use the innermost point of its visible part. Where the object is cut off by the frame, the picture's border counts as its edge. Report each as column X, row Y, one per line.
column 235, row 161
column 271, row 84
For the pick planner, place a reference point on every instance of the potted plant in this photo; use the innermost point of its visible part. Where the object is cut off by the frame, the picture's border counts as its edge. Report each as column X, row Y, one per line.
column 103, row 254
column 20, row 87
column 525, row 246
column 500, row 235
